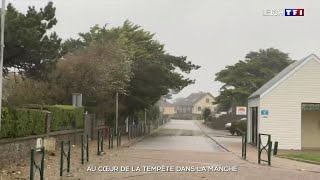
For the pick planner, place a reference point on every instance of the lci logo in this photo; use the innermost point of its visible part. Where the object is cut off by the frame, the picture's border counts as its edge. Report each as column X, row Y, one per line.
column 285, row 12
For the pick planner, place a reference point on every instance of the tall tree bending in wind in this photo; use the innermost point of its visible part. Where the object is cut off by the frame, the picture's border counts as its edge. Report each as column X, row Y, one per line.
column 154, row 70
column 246, row 76
column 29, row 46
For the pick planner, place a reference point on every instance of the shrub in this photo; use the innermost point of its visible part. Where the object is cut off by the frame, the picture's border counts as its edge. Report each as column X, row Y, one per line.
column 66, row 117
column 206, row 113
column 22, row 122
column 238, row 127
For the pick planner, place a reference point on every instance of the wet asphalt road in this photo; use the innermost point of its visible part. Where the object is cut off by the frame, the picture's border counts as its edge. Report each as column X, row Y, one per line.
column 182, row 135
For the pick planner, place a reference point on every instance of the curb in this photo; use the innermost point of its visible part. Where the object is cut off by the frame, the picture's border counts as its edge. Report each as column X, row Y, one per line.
column 212, row 138
column 272, row 166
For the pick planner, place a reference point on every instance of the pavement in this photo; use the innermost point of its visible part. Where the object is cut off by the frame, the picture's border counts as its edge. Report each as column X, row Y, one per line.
column 180, row 149
column 233, row 144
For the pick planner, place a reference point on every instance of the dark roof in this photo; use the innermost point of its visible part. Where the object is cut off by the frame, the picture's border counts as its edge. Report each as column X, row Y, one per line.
column 192, row 99
column 278, row 77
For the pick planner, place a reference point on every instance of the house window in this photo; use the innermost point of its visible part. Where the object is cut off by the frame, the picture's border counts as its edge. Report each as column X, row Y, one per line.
column 207, row 100
column 199, row 108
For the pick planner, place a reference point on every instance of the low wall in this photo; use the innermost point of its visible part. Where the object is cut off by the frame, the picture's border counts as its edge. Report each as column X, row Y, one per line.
column 13, row 150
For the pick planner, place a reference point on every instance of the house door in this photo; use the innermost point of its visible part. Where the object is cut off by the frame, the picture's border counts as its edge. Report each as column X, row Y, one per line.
column 254, row 125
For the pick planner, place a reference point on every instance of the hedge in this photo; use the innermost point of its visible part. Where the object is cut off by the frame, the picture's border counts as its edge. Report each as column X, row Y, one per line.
column 66, row 117
column 63, row 116
column 22, row 122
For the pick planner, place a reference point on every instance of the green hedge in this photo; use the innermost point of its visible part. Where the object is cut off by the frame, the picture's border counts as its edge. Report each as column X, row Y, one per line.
column 22, row 122
column 65, row 117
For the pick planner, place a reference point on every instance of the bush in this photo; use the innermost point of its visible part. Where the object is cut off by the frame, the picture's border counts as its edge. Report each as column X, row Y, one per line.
column 206, row 113
column 22, row 122
column 66, row 117
column 238, row 127
column 63, row 116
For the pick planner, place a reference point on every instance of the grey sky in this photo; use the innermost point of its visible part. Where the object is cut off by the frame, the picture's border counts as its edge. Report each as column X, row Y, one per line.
column 211, row 33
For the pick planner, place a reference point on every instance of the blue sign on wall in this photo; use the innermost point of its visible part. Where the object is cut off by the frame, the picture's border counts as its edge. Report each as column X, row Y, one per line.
column 264, row 113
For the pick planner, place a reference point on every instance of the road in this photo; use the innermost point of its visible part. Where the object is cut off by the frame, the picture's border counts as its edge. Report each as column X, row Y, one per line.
column 179, row 135
column 182, row 144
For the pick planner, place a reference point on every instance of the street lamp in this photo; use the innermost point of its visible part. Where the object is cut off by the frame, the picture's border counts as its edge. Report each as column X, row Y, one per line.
column 3, row 11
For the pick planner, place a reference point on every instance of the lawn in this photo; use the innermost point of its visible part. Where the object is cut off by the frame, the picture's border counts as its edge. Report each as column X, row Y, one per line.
column 306, row 157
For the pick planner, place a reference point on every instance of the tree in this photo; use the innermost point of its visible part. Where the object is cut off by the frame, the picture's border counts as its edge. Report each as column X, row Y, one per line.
column 18, row 91
column 29, row 46
column 153, row 68
column 247, row 76
column 96, row 71
column 206, row 113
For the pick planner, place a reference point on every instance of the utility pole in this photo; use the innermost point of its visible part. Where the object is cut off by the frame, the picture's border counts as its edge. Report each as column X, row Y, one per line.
column 117, row 111
column 3, row 11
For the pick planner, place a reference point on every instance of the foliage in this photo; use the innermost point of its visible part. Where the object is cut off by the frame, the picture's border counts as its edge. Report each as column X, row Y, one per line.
column 18, row 91
column 245, row 77
column 29, row 45
column 238, row 127
column 153, row 69
column 66, row 117
column 22, row 122
column 206, row 113
column 97, row 72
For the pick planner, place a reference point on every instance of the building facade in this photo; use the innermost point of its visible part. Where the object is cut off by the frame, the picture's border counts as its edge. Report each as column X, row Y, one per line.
column 193, row 106
column 288, row 107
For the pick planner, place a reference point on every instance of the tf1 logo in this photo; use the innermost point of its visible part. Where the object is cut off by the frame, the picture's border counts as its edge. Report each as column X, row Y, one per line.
column 294, row 12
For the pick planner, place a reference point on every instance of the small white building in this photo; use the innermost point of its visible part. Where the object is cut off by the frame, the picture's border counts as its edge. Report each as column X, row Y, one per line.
column 288, row 107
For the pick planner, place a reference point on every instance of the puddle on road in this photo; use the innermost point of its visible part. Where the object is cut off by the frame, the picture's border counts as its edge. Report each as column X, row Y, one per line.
column 187, row 143
column 177, row 132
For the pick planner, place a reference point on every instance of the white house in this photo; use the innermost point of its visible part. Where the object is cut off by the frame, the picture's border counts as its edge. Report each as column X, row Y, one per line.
column 288, row 107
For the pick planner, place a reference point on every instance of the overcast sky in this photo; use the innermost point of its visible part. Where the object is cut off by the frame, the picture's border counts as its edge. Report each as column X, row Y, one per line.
column 210, row 33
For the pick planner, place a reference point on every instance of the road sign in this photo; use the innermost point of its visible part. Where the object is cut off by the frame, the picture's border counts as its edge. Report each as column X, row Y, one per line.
column 264, row 113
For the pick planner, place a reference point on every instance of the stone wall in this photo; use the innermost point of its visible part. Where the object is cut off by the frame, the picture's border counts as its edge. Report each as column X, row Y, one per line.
column 13, row 150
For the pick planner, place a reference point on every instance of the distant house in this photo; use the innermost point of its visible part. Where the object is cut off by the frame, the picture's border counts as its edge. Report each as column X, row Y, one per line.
column 166, row 108
column 193, row 105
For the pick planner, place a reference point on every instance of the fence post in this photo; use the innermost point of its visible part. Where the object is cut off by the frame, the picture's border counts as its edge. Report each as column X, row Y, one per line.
column 269, row 152
column 65, row 154
column 34, row 166
column 48, row 123
column 129, row 132
column 275, row 150
column 100, row 142
column 244, row 145
column 109, row 138
column 84, row 147
column 119, row 139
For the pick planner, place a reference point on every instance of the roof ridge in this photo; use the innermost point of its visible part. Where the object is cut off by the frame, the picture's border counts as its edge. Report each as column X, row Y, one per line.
column 282, row 74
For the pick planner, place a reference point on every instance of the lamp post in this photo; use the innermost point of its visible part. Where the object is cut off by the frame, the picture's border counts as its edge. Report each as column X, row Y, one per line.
column 3, row 11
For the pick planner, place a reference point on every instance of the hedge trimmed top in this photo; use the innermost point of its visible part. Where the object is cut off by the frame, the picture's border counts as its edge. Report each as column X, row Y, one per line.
column 31, row 119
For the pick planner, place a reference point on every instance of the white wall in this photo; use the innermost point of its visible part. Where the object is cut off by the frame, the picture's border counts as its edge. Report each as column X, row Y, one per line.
column 284, row 105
